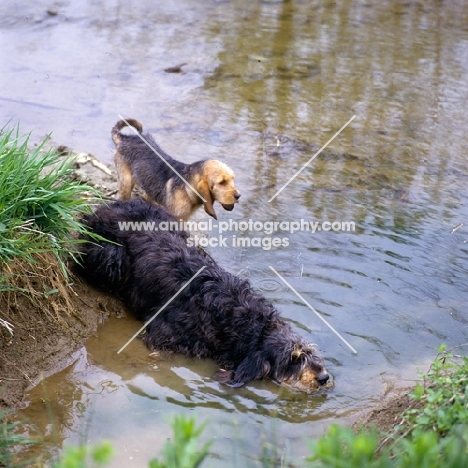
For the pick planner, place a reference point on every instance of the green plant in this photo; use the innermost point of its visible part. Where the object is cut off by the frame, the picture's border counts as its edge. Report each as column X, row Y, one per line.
column 9, row 440
column 342, row 448
column 39, row 201
column 443, row 397
column 86, row 456
column 182, row 452
column 431, row 435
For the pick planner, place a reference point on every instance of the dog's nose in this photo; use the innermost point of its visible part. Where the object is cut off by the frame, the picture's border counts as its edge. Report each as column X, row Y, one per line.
column 323, row 378
column 237, row 196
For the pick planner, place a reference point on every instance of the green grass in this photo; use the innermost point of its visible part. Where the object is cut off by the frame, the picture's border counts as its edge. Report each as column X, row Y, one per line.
column 183, row 451
column 86, row 456
column 40, row 201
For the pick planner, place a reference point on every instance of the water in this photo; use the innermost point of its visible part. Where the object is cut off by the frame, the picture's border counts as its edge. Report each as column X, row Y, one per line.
column 265, row 85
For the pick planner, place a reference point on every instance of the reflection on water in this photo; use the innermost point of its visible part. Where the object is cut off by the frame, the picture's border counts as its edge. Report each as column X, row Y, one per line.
column 265, row 85
column 130, row 397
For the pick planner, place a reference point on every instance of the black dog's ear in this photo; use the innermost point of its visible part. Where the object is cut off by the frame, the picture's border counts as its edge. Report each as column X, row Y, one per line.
column 253, row 367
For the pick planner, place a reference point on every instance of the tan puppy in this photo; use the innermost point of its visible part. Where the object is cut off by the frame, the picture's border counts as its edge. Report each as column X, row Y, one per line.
column 176, row 185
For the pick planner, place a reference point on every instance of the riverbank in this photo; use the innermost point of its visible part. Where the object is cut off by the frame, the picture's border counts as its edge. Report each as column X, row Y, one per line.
column 45, row 329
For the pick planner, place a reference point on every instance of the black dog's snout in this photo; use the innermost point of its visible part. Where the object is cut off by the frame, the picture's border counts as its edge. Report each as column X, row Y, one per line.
column 237, row 196
column 323, row 378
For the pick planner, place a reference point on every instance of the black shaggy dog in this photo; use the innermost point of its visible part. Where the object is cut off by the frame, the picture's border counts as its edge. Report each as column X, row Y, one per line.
column 218, row 315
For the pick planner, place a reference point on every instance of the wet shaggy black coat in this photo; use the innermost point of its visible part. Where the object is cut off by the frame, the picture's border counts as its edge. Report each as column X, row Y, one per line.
column 218, row 315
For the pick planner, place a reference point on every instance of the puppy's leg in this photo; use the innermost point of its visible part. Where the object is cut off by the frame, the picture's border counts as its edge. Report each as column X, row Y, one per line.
column 125, row 178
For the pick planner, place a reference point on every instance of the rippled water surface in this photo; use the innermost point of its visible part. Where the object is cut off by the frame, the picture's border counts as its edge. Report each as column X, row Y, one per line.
column 264, row 86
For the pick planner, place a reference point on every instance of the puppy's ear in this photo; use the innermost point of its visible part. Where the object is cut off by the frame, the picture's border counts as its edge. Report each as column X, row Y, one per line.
column 204, row 190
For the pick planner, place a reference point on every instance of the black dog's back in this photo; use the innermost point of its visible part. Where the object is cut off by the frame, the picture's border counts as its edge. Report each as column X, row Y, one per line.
column 110, row 263
column 145, row 267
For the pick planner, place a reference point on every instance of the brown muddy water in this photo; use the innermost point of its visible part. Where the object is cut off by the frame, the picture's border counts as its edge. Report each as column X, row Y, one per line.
column 264, row 86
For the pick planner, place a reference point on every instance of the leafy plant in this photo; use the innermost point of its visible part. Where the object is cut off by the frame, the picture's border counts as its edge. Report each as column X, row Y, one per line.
column 431, row 435
column 86, row 456
column 342, row 448
column 39, row 201
column 182, row 452
column 443, row 397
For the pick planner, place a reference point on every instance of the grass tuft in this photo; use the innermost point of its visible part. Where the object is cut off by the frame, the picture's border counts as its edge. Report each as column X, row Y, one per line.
column 183, row 450
column 40, row 205
column 39, row 202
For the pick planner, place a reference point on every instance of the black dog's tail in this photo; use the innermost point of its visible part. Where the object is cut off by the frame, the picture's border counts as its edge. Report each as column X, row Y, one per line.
column 115, row 132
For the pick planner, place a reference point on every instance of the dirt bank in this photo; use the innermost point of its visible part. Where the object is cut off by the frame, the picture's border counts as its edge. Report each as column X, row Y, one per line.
column 48, row 329
column 387, row 414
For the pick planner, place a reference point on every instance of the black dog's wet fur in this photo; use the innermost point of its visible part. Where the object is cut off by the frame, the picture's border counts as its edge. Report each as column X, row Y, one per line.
column 218, row 315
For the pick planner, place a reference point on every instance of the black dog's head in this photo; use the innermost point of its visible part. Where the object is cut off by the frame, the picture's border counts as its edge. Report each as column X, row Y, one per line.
column 289, row 362
column 304, row 370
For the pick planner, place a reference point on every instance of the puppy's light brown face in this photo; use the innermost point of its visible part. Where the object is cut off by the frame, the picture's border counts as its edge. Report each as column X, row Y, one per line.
column 220, row 179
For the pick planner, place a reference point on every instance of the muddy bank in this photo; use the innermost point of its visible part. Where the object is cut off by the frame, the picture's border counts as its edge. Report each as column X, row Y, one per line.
column 387, row 414
column 41, row 346
column 48, row 330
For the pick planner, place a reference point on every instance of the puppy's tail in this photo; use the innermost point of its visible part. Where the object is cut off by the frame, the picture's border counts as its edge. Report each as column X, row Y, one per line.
column 115, row 132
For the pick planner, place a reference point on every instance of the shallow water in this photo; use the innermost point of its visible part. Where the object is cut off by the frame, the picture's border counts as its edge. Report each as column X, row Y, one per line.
column 265, row 85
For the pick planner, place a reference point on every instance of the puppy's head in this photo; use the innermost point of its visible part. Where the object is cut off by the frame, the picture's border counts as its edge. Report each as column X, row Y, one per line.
column 217, row 184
